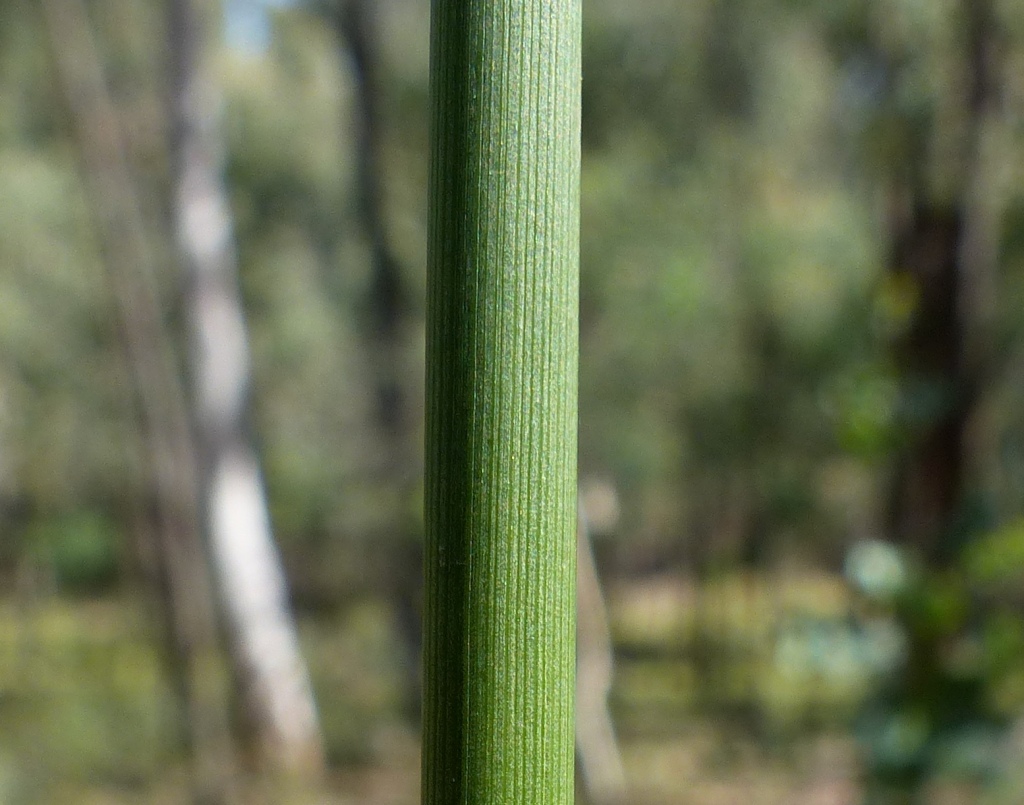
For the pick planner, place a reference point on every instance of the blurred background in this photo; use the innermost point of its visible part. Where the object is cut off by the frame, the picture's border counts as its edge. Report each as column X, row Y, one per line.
column 801, row 425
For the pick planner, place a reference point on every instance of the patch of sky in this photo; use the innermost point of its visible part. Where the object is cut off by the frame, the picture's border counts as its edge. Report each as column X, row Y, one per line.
column 247, row 23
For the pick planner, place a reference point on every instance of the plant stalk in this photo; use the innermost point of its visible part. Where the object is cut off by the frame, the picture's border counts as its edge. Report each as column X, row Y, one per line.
column 502, row 342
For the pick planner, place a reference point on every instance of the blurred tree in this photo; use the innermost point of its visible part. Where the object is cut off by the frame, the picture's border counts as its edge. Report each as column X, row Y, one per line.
column 937, row 298
column 386, row 318
column 131, row 264
column 262, row 636
column 941, row 262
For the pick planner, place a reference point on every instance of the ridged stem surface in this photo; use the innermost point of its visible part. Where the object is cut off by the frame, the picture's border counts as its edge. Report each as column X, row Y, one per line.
column 501, row 403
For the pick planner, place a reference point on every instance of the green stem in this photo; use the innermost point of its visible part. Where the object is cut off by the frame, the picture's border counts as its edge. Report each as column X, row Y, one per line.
column 501, row 402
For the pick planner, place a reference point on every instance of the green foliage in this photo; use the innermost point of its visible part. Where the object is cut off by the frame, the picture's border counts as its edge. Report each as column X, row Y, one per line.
column 997, row 560
column 82, row 549
column 943, row 708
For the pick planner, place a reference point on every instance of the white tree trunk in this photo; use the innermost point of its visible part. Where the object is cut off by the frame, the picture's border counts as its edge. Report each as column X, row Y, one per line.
column 264, row 643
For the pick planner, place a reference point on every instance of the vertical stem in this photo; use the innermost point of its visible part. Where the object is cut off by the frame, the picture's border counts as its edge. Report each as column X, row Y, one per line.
column 501, row 402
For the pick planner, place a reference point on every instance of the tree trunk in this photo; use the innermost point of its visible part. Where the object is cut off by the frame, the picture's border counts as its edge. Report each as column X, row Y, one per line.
column 131, row 266
column 501, row 402
column 944, row 250
column 275, row 683
column 387, row 305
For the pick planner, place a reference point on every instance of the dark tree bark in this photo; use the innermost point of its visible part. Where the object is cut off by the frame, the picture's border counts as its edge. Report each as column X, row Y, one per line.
column 935, row 397
column 943, row 253
column 387, row 310
column 387, row 300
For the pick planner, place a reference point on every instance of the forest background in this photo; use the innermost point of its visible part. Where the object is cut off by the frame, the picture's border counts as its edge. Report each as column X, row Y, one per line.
column 802, row 397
